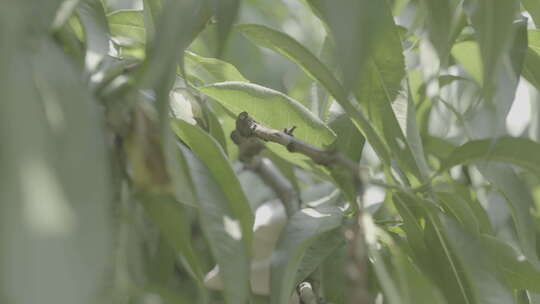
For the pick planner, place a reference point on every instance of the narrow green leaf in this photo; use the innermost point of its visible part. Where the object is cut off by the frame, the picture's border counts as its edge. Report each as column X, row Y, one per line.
column 379, row 85
column 302, row 229
column 501, row 149
column 444, row 18
column 221, row 226
column 352, row 18
column 492, row 21
column 271, row 108
column 128, row 24
column 486, row 282
column 333, row 280
column 210, row 70
column 468, row 54
column 519, row 200
column 460, row 209
column 226, row 13
column 92, row 16
column 411, row 225
column 290, row 48
column 170, row 217
column 531, row 68
column 212, row 155
column 286, row 46
column 519, row 272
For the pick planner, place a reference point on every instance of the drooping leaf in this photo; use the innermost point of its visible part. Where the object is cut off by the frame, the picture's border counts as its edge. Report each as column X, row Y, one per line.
column 128, row 24
column 531, row 66
column 222, row 227
column 333, row 279
column 290, row 48
column 170, row 217
column 501, row 149
column 487, row 285
column 304, row 228
column 444, row 19
column 226, row 13
column 519, row 200
column 293, row 50
column 492, row 21
column 271, row 108
column 378, row 87
column 212, row 155
column 519, row 272
column 468, row 54
column 210, row 70
column 352, row 18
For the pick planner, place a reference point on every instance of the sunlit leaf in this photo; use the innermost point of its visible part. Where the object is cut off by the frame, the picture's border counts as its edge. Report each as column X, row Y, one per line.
column 210, row 70
column 128, row 24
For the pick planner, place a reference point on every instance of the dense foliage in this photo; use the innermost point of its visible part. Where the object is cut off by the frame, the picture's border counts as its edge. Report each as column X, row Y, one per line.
column 392, row 153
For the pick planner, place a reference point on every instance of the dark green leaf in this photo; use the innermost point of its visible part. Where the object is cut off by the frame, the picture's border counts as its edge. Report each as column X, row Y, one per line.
column 501, row 149
column 302, row 230
column 222, row 226
column 226, row 13
column 212, row 155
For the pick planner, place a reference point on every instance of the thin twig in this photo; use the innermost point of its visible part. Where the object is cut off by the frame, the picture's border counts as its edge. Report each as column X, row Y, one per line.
column 269, row 173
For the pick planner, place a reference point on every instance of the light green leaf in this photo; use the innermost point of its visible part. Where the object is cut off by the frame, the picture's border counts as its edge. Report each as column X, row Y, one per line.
column 210, row 70
column 444, row 19
column 128, row 24
column 302, row 230
column 468, row 54
column 533, row 37
column 212, row 155
column 221, row 225
column 92, row 16
column 333, row 280
column 501, row 149
column 459, row 208
column 531, row 68
column 271, row 108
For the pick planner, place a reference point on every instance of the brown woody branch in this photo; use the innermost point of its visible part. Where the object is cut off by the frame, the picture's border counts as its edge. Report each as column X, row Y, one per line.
column 247, row 127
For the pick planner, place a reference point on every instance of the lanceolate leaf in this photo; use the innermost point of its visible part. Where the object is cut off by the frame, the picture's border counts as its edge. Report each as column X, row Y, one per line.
column 302, row 229
column 519, row 272
column 222, row 227
column 486, row 283
column 533, row 7
column 128, row 24
column 170, row 217
column 379, row 86
column 492, row 21
column 226, row 12
column 212, row 155
column 498, row 149
column 292, row 49
column 271, row 108
column 210, row 70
